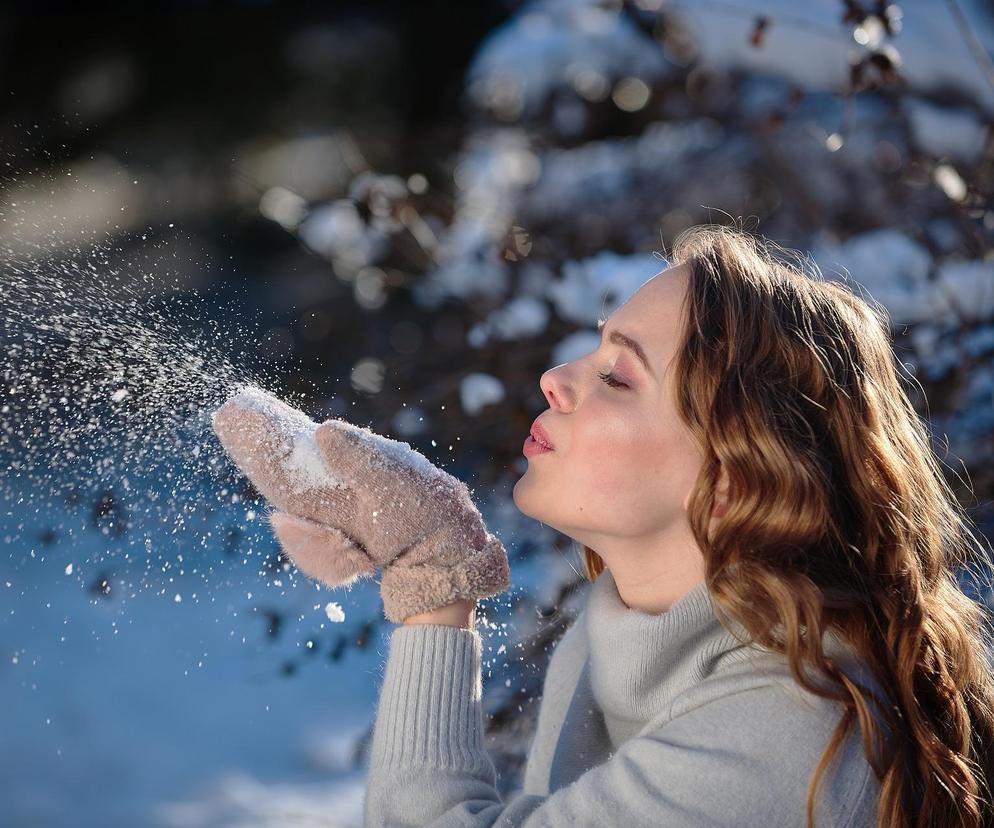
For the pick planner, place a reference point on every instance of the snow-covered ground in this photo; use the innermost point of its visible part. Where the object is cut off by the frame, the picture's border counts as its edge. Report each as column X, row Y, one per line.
column 165, row 702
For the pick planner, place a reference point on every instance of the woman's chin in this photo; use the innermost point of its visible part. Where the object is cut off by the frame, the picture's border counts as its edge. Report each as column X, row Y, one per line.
column 514, row 495
column 520, row 498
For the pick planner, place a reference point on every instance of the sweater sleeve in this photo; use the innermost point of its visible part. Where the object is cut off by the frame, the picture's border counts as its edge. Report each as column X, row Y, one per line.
column 719, row 764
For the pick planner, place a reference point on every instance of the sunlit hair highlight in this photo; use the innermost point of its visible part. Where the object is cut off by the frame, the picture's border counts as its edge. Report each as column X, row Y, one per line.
column 839, row 518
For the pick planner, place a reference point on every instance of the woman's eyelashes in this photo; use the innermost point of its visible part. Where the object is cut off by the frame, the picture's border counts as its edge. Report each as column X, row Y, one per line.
column 611, row 381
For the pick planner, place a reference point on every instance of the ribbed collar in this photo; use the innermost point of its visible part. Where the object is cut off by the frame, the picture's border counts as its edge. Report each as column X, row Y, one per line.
column 639, row 662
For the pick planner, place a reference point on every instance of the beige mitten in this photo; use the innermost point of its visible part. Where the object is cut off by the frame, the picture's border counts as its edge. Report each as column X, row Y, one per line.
column 352, row 502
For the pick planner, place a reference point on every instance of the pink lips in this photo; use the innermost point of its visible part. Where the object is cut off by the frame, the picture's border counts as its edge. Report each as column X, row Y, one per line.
column 532, row 447
column 541, row 435
column 537, row 442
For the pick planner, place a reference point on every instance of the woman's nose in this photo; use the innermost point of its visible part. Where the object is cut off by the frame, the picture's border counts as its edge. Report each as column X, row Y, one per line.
column 555, row 390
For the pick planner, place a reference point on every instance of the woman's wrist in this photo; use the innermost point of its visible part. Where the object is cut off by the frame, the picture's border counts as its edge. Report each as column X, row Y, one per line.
column 460, row 613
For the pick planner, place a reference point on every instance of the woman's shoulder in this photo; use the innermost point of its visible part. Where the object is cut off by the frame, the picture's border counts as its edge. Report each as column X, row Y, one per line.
column 759, row 686
column 752, row 715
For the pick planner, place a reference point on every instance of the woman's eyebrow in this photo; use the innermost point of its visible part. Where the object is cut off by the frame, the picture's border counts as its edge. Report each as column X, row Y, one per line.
column 618, row 338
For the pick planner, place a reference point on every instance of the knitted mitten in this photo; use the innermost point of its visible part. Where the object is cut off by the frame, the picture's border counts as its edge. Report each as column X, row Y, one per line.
column 351, row 502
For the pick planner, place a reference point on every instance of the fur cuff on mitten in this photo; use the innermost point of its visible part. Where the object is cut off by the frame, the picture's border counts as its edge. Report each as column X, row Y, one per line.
column 411, row 590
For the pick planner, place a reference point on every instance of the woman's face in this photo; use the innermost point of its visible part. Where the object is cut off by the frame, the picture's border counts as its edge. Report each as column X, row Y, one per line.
column 623, row 462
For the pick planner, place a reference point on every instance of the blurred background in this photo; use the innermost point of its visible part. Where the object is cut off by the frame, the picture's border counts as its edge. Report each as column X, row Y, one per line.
column 400, row 213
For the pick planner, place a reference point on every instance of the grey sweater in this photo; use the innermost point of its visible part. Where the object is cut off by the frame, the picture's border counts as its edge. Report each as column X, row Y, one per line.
column 655, row 720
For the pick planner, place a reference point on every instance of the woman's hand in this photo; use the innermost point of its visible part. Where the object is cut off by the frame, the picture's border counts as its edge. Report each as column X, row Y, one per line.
column 351, row 501
column 457, row 614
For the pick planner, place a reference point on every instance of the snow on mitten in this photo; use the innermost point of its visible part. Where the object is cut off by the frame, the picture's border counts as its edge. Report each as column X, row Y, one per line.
column 273, row 444
column 353, row 501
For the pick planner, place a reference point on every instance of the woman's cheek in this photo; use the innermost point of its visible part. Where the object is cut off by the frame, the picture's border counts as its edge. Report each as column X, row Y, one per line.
column 611, row 455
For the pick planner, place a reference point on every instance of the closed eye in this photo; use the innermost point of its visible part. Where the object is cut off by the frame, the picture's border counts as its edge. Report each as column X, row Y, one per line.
column 611, row 381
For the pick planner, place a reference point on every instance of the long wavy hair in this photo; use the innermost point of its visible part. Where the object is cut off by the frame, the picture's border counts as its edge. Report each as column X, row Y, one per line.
column 838, row 518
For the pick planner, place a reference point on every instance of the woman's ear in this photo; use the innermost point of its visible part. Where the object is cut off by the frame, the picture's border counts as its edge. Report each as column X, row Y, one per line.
column 721, row 495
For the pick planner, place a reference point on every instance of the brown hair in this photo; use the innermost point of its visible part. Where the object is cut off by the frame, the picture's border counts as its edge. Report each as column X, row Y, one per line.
column 839, row 517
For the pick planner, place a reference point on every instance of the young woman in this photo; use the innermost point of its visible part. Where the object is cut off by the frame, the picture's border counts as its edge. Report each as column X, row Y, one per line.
column 774, row 634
